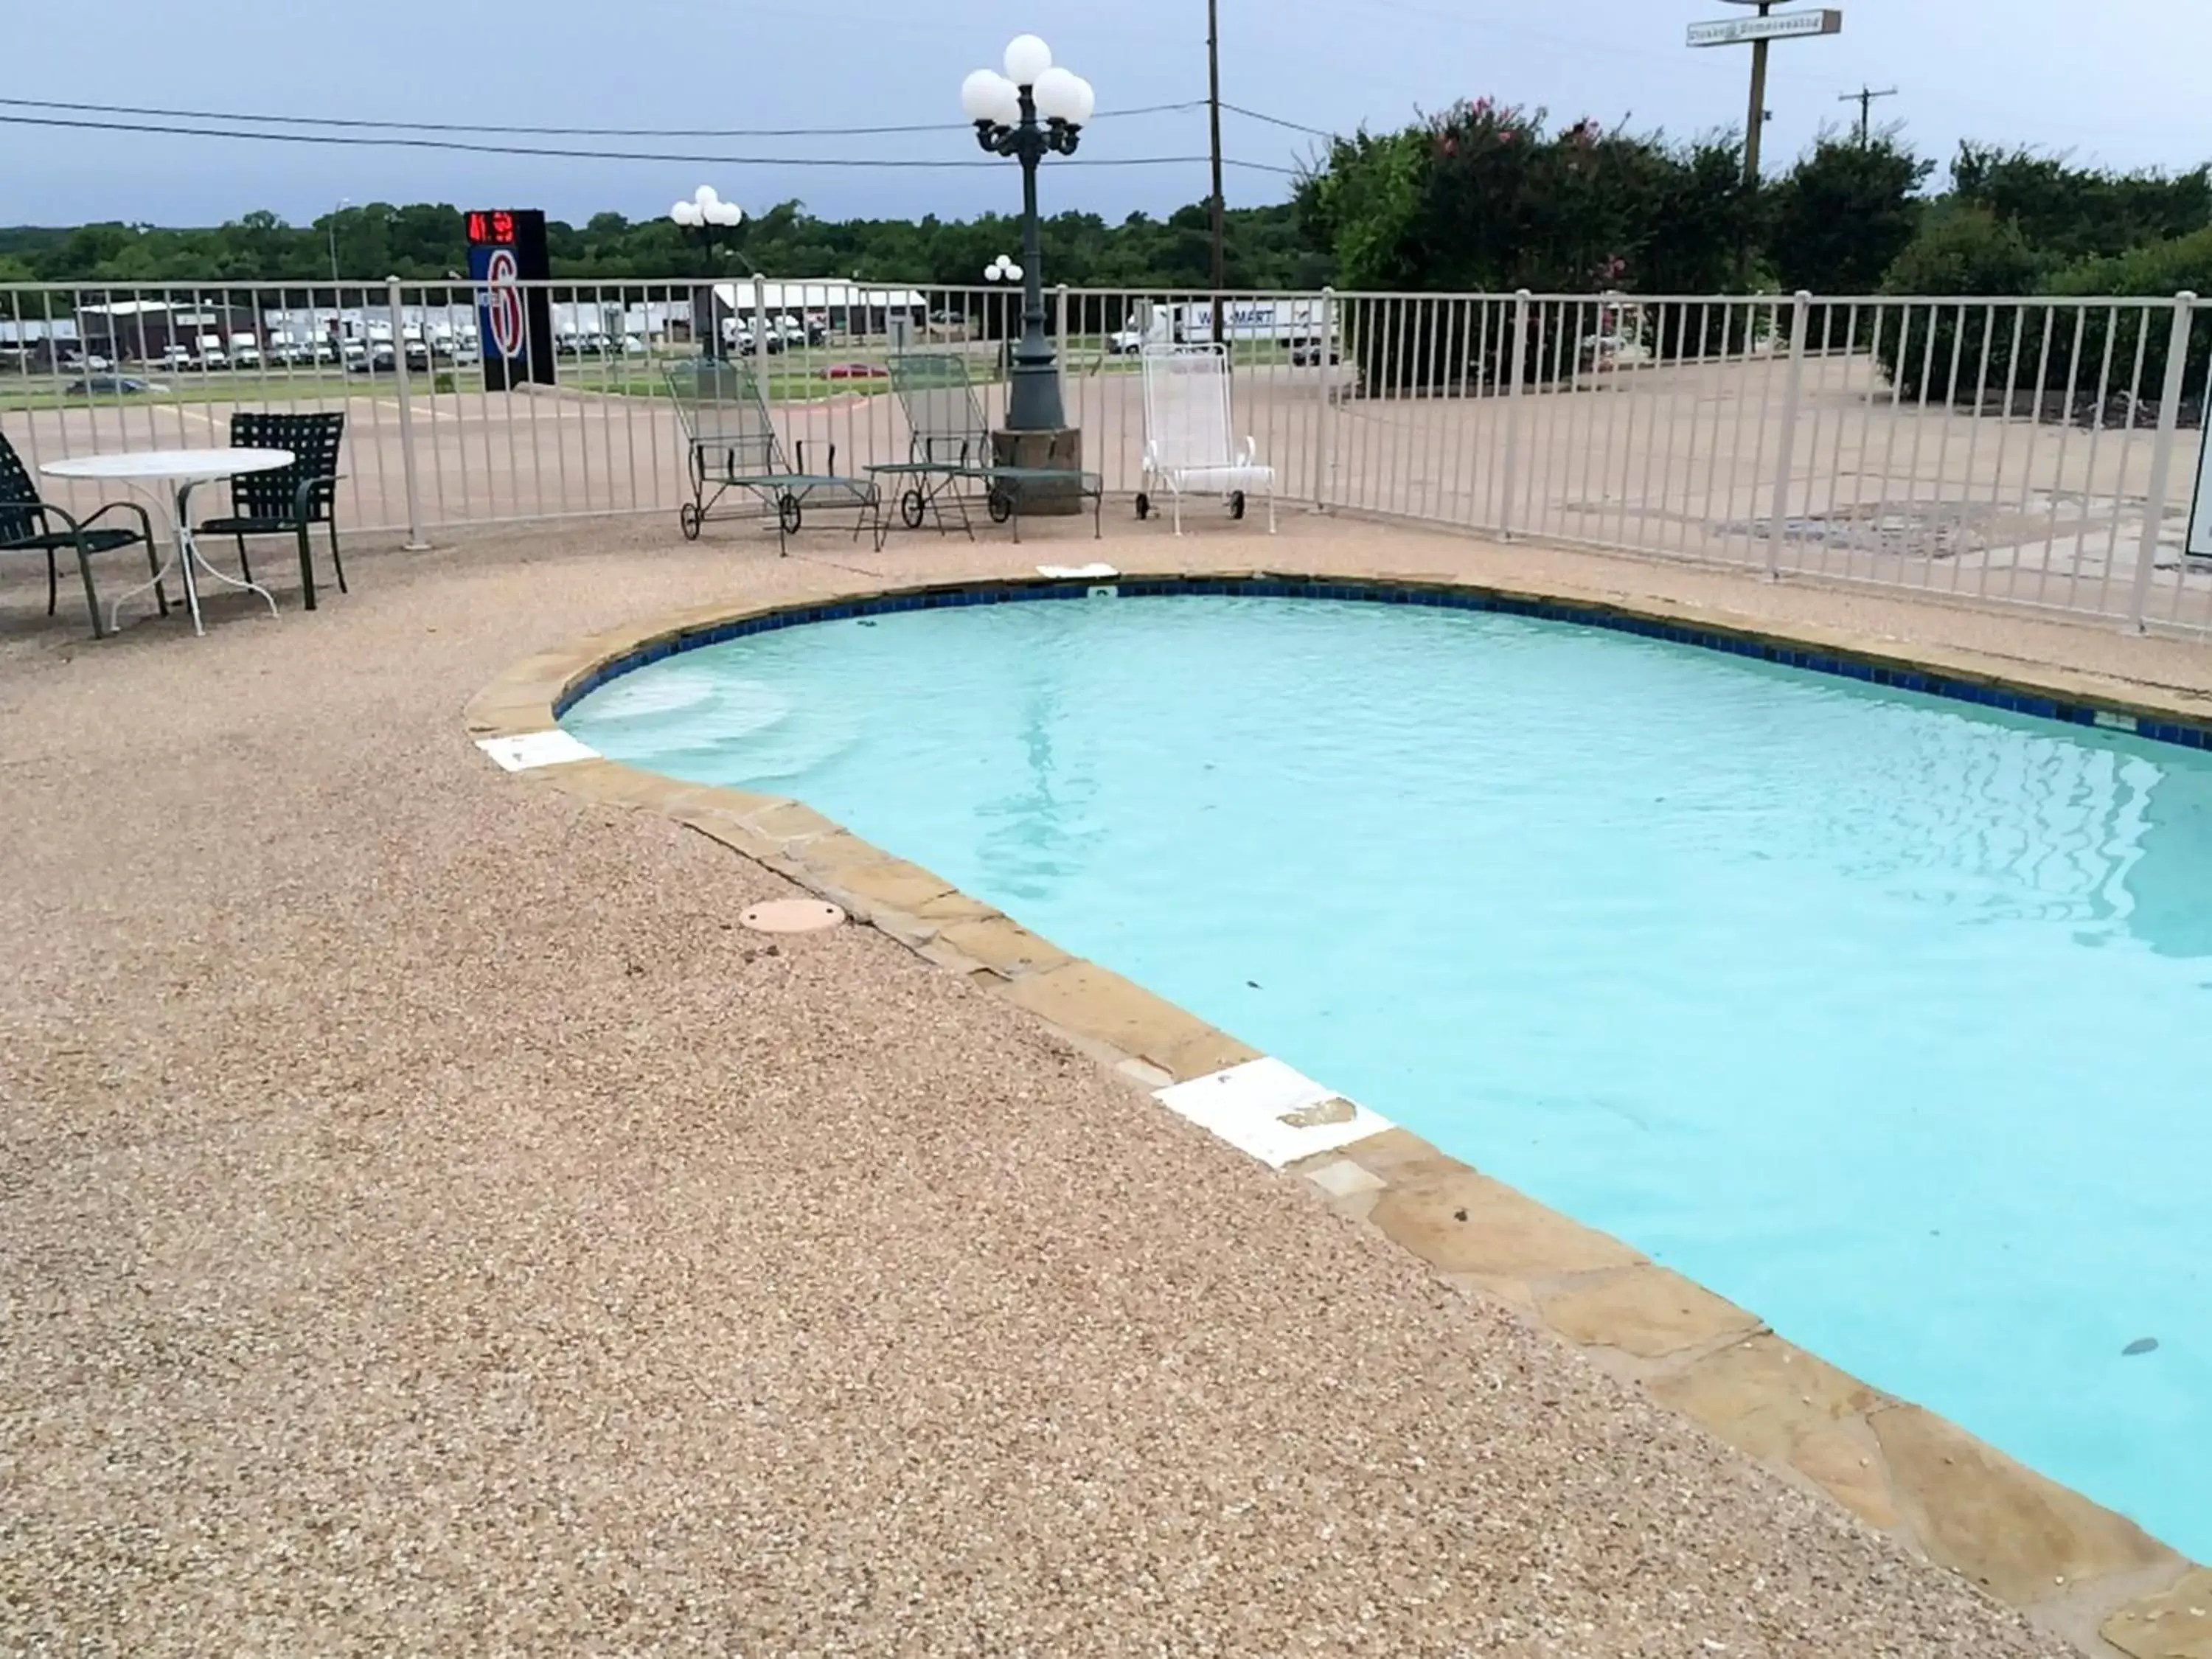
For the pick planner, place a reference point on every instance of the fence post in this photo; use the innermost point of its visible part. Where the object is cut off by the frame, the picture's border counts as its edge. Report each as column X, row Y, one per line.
column 760, row 335
column 1793, row 392
column 1325, row 423
column 1506, row 468
column 2161, row 459
column 1059, row 340
column 415, row 543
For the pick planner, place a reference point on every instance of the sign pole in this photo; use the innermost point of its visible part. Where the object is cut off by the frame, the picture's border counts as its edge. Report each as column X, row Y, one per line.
column 1755, row 122
column 1759, row 31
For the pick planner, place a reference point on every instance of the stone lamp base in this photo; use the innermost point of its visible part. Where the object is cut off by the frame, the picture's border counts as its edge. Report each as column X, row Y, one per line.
column 1057, row 450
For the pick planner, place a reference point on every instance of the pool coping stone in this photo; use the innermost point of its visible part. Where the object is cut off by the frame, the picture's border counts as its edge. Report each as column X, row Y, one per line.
column 2075, row 1568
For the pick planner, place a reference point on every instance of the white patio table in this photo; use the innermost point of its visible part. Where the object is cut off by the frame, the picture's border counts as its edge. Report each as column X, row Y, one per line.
column 181, row 468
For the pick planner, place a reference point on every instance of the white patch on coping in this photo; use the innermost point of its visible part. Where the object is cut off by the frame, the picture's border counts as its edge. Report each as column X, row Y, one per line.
column 2113, row 721
column 1077, row 572
column 1263, row 1108
column 535, row 748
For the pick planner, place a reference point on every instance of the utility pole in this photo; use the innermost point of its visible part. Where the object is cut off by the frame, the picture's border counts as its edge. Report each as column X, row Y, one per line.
column 1864, row 98
column 1213, row 116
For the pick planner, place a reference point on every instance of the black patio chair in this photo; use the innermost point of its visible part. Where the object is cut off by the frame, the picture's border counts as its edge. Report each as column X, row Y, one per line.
column 290, row 499
column 28, row 525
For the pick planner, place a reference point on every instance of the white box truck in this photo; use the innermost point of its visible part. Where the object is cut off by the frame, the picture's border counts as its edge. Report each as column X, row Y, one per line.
column 1298, row 324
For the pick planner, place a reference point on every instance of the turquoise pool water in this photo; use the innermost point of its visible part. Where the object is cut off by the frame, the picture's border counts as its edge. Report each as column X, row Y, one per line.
column 1889, row 1018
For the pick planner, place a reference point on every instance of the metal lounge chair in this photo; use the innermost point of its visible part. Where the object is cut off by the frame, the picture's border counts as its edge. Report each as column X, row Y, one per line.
column 949, row 441
column 732, row 444
column 288, row 499
column 28, row 525
column 1188, row 449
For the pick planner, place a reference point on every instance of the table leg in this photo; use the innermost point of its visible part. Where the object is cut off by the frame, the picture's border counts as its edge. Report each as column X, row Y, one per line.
column 187, row 555
column 115, row 605
column 189, row 551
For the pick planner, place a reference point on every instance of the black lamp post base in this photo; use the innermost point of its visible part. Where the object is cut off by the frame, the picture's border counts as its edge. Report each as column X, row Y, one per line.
column 1057, row 450
column 1033, row 402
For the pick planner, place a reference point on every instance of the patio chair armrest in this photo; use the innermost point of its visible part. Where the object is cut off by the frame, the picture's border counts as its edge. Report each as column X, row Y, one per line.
column 75, row 525
column 41, row 510
column 306, row 493
column 135, row 510
column 1251, row 451
column 799, row 452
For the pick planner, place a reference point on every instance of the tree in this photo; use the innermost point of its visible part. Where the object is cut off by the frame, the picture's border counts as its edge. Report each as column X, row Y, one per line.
column 1962, row 248
column 1362, row 206
column 2076, row 213
column 1701, row 220
column 1480, row 199
column 1844, row 214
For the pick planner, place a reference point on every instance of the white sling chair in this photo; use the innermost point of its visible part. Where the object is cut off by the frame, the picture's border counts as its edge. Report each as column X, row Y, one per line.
column 1187, row 447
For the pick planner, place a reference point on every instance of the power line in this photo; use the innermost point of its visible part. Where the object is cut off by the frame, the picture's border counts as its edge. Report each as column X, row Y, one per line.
column 471, row 148
column 1254, row 115
column 549, row 132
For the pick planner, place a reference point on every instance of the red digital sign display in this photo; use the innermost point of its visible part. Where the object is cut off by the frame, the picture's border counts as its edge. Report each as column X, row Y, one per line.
column 494, row 229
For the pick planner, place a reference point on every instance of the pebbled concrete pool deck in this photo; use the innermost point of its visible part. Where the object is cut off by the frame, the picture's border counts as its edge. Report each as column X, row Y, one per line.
column 427, row 1225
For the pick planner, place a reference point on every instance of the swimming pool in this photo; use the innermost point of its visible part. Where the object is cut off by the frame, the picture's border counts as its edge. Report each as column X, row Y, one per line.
column 1888, row 1018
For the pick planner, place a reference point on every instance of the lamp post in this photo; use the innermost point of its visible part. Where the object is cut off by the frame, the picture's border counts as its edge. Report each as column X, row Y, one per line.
column 1002, row 270
column 1032, row 111
column 344, row 201
column 337, row 299
column 708, row 214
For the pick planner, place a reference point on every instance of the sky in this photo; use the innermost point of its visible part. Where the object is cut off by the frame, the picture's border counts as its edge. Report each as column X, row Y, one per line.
column 2117, row 82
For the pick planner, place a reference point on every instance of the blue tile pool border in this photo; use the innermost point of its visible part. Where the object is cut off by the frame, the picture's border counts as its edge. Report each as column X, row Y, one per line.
column 1899, row 674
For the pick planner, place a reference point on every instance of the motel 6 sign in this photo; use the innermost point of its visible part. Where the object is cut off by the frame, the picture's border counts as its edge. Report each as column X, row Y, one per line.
column 514, row 323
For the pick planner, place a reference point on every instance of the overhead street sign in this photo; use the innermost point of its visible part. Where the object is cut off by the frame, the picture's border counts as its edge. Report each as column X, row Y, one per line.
column 1778, row 25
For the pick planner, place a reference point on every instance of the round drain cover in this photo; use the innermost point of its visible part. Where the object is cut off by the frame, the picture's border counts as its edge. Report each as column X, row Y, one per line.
column 793, row 916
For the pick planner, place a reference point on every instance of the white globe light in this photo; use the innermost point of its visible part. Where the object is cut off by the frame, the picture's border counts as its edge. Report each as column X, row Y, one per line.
column 725, row 213
column 1013, row 271
column 1086, row 101
column 1027, row 58
column 686, row 214
column 1057, row 92
column 991, row 271
column 987, row 95
column 705, row 196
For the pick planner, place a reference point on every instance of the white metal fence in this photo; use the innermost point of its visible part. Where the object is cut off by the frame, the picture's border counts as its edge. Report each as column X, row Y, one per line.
column 2038, row 452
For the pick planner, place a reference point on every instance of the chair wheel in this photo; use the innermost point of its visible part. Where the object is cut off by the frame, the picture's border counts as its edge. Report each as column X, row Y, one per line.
column 787, row 514
column 689, row 518
column 1144, row 504
column 1235, row 503
column 911, row 506
column 1000, row 504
